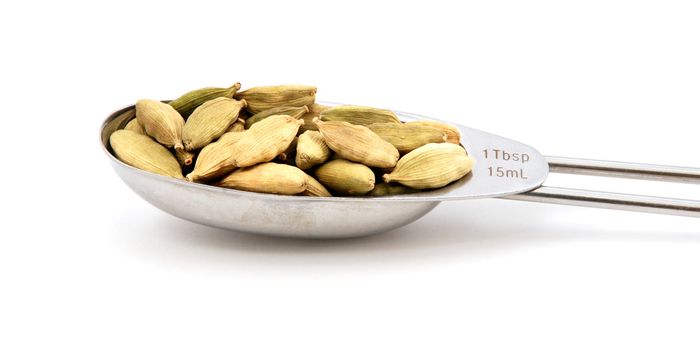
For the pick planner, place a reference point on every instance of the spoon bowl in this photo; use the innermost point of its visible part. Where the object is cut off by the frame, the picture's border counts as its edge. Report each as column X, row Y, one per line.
column 503, row 167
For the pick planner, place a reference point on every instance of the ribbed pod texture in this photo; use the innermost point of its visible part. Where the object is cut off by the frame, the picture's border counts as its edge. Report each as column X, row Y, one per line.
column 267, row 178
column 188, row 102
column 265, row 140
column 142, row 152
column 358, row 144
column 265, row 97
column 294, row 112
column 161, row 121
column 407, row 137
column 345, row 177
column 209, row 121
column 311, row 150
column 359, row 115
column 431, row 166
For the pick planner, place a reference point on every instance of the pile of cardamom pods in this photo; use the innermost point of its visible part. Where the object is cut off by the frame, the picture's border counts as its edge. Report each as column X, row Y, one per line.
column 276, row 139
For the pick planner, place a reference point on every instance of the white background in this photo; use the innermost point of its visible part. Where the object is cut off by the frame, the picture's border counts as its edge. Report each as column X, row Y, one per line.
column 86, row 264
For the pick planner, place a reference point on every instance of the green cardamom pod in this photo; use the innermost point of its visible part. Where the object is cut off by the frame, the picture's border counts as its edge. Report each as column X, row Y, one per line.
column 432, row 166
column 357, row 143
column 265, row 140
column 314, row 188
column 311, row 150
column 452, row 132
column 314, row 112
column 215, row 159
column 161, row 121
column 187, row 103
column 265, row 97
column 134, row 126
column 345, row 177
column 359, row 115
column 142, row 152
column 294, row 112
column 267, row 178
column 209, row 121
column 409, row 136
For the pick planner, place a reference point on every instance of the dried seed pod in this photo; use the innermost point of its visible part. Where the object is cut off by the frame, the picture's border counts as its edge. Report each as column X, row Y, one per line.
column 432, row 166
column 314, row 188
column 346, row 177
column 215, row 159
column 294, row 112
column 359, row 115
column 386, row 189
column 141, row 151
column 311, row 150
column 287, row 156
column 184, row 157
column 161, row 121
column 357, row 143
column 314, row 112
column 187, row 103
column 134, row 126
column 409, row 136
column 267, row 178
column 265, row 97
column 452, row 132
column 265, row 140
column 237, row 126
column 209, row 121
column 231, row 135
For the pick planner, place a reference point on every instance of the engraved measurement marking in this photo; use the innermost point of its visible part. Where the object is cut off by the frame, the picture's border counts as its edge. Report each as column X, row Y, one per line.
column 507, row 173
column 500, row 154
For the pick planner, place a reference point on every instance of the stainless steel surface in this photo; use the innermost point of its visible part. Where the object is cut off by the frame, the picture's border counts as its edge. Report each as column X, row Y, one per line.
column 335, row 217
column 619, row 201
column 624, row 170
column 608, row 200
column 504, row 168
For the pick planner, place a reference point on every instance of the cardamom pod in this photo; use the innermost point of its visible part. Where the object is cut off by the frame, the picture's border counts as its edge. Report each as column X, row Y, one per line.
column 265, row 97
column 142, row 152
column 215, row 159
column 230, row 135
column 237, row 126
column 359, row 115
column 407, row 137
column 209, row 121
column 161, row 121
column 431, row 166
column 345, row 177
column 265, row 140
column 314, row 188
column 314, row 112
column 357, row 143
column 311, row 150
column 184, row 157
column 267, row 178
column 452, row 132
column 294, row 112
column 386, row 189
column 287, row 156
column 187, row 103
column 134, row 126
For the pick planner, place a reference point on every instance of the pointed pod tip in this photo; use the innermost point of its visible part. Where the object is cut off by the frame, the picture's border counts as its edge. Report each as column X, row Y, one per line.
column 243, row 101
column 317, row 121
column 306, row 108
column 190, row 177
column 386, row 177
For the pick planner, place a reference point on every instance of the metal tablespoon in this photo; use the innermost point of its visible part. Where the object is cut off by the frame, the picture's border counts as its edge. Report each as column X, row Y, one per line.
column 504, row 168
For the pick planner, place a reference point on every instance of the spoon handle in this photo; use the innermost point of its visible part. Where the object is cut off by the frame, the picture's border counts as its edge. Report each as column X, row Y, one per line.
column 620, row 201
